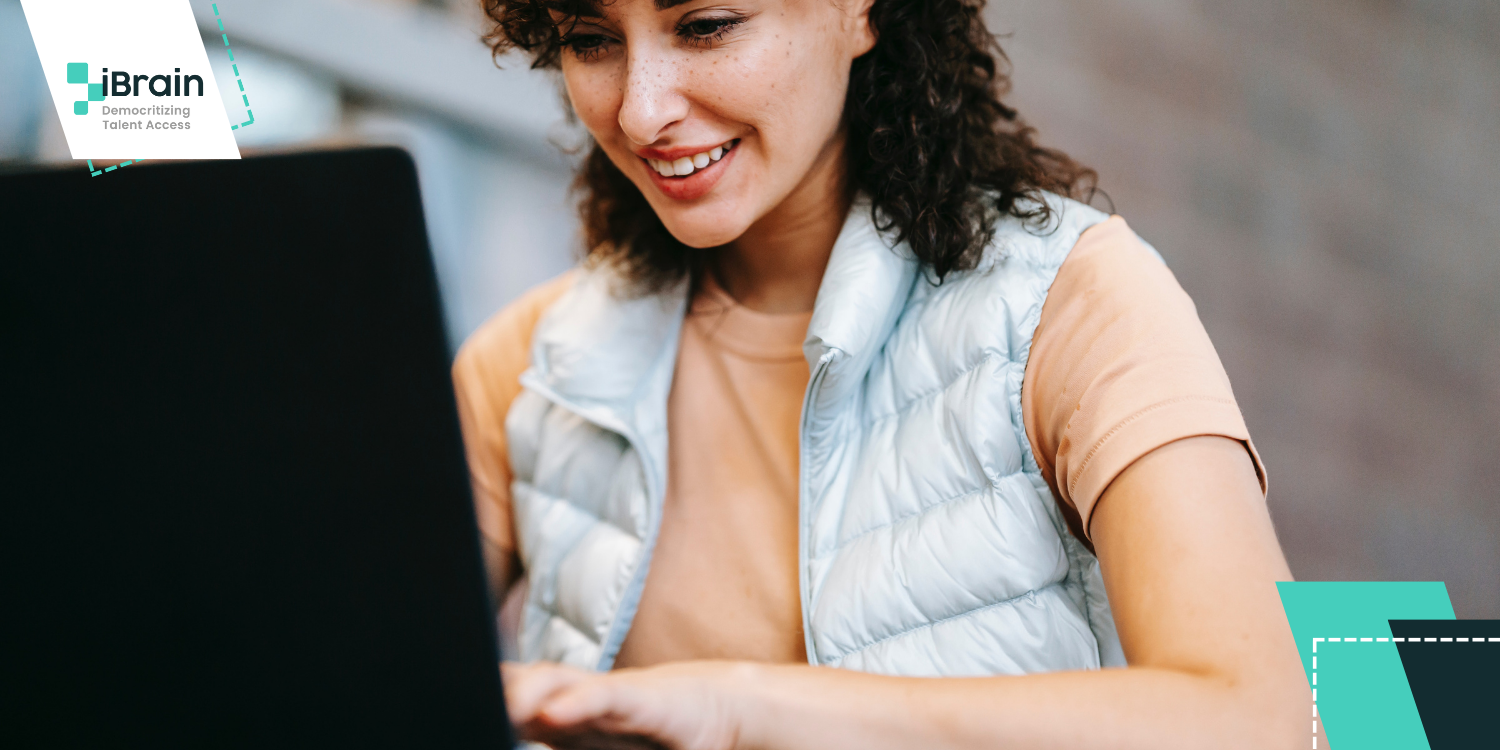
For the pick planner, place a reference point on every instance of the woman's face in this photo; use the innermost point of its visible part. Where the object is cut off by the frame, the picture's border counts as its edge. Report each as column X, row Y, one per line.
column 717, row 111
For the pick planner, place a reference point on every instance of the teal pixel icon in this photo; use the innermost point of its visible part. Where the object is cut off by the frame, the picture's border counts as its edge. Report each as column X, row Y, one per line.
column 79, row 73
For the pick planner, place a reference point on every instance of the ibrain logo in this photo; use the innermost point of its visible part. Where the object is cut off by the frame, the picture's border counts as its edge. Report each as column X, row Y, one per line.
column 123, row 84
column 79, row 73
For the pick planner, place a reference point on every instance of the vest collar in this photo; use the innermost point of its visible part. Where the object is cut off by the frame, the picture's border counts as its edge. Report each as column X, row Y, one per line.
column 610, row 355
column 863, row 293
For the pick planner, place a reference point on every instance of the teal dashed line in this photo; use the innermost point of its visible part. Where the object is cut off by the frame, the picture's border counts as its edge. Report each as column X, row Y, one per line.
column 96, row 172
column 235, row 66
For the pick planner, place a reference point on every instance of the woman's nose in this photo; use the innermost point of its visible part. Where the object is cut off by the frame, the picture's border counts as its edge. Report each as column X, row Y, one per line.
column 653, row 98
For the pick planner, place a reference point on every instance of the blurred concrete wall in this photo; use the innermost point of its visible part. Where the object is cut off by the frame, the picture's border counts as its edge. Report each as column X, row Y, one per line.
column 1323, row 176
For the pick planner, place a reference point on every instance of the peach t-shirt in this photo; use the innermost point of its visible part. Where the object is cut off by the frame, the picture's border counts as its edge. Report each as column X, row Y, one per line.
column 1120, row 365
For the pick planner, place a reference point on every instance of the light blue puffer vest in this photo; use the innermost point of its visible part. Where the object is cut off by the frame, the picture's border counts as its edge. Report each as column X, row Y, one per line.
column 929, row 542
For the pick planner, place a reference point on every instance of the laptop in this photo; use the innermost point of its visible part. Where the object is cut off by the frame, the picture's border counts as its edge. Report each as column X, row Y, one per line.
column 236, row 508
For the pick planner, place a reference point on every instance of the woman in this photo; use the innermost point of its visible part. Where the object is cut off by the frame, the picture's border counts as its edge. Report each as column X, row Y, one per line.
column 848, row 381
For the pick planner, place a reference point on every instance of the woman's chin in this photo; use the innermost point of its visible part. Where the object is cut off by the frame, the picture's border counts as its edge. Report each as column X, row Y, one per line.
column 703, row 232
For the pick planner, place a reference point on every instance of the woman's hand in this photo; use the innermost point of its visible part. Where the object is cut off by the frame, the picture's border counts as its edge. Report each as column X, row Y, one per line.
column 683, row 706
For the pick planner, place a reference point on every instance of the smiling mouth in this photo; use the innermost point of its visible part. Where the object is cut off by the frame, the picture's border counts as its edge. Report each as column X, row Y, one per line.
column 687, row 165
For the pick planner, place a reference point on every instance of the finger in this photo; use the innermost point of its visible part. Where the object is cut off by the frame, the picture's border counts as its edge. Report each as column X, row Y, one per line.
column 529, row 686
column 582, row 702
column 607, row 703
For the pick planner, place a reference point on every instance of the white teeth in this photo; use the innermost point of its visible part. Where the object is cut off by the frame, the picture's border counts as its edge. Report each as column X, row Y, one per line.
column 689, row 164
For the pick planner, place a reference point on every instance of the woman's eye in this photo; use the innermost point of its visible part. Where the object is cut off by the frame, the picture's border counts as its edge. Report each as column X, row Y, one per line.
column 586, row 45
column 707, row 29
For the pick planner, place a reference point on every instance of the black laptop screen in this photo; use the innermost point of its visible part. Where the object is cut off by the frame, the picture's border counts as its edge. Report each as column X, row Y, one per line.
column 236, row 505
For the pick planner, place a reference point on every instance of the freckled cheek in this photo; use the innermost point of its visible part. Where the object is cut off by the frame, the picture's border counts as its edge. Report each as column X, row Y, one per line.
column 799, row 104
column 750, row 89
column 816, row 94
column 596, row 99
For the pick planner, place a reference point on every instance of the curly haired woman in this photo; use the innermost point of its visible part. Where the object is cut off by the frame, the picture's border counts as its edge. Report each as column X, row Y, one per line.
column 818, row 447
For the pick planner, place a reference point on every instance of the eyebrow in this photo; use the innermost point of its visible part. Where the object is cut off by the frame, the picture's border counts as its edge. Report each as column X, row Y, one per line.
column 592, row 7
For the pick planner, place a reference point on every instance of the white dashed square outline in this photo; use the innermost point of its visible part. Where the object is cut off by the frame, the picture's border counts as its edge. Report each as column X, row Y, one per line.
column 1316, row 641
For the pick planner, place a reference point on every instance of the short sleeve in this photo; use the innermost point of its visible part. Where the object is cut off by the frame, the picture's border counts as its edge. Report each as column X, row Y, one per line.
column 1120, row 365
column 486, row 379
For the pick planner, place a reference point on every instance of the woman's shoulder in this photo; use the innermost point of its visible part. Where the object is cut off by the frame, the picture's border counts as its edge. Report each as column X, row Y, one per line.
column 1119, row 365
column 1029, row 250
column 1040, row 231
column 499, row 350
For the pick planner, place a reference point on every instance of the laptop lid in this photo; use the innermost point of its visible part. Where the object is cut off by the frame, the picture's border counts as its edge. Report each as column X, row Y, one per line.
column 235, row 496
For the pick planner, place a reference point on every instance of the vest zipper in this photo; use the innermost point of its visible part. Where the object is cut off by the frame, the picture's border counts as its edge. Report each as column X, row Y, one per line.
column 803, row 570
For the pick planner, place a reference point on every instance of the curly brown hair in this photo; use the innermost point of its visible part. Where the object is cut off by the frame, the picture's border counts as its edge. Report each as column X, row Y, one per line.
column 931, row 141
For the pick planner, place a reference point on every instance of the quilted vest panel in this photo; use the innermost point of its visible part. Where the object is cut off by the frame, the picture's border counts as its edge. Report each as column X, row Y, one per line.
column 929, row 542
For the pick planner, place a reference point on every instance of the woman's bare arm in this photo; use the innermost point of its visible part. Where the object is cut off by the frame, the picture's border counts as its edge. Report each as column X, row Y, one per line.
column 1190, row 562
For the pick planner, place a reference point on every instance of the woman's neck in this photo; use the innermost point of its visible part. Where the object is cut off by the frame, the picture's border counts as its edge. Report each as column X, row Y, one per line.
column 777, row 265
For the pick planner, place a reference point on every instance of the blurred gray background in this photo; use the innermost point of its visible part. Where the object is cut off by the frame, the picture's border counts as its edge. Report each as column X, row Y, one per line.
column 1323, row 176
